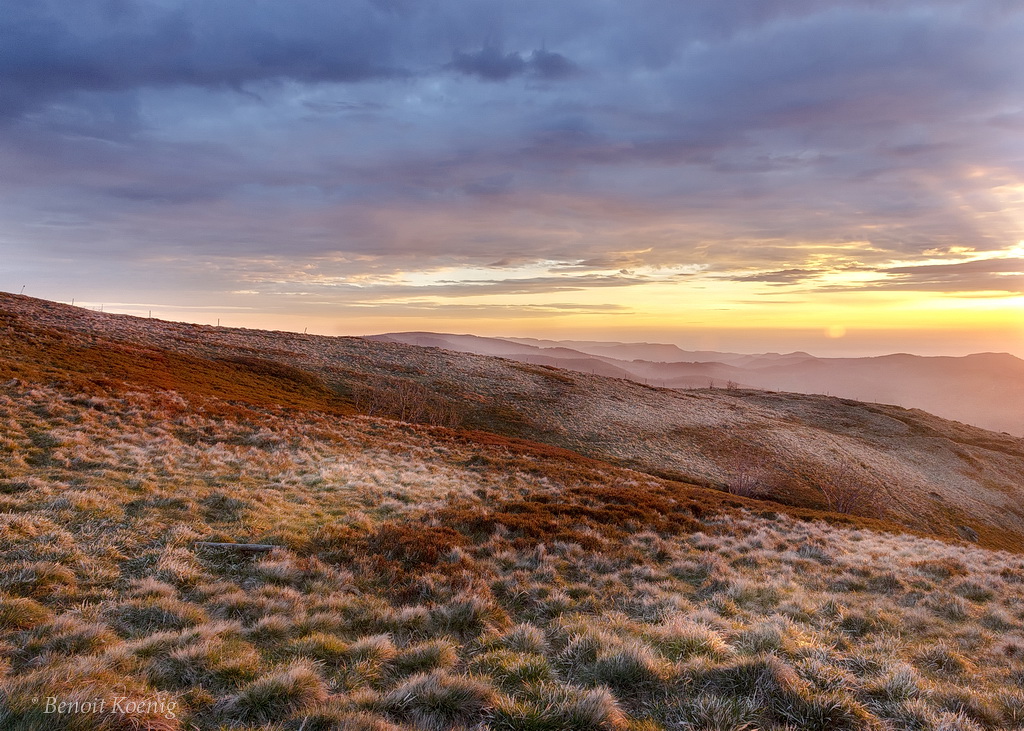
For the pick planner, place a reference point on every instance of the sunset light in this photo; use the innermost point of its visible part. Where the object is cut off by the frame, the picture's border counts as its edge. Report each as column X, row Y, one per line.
column 526, row 169
column 511, row 365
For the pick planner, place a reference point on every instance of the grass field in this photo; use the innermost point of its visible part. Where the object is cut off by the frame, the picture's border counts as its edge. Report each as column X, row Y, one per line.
column 425, row 580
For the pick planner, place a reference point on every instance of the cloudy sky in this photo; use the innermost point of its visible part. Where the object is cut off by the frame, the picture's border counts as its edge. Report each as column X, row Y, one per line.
column 842, row 176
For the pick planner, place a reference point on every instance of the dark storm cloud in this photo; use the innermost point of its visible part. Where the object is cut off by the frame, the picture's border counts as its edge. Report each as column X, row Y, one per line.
column 54, row 47
column 492, row 65
column 51, row 48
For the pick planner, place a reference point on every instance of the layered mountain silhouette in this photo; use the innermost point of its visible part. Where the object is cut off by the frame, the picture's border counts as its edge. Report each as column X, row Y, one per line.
column 985, row 389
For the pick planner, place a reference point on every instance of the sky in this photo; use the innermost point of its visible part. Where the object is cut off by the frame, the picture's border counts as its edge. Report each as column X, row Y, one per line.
column 839, row 176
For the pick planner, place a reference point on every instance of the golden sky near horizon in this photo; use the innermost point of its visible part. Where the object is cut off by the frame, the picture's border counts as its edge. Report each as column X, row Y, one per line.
column 841, row 176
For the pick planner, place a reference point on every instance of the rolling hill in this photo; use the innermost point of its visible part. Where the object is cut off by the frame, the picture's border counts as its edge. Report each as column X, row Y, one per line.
column 984, row 389
column 940, row 477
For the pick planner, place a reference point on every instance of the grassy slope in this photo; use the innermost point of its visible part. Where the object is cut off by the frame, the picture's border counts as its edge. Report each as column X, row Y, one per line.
column 934, row 475
column 434, row 579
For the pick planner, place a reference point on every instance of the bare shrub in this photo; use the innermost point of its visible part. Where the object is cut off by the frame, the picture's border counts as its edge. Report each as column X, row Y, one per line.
column 748, row 479
column 846, row 491
column 406, row 400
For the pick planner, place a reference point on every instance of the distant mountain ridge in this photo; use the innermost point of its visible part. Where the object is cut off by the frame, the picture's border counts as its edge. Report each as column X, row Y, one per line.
column 984, row 389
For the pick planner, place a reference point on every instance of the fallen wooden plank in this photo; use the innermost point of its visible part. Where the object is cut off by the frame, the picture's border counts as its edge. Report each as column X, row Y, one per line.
column 244, row 547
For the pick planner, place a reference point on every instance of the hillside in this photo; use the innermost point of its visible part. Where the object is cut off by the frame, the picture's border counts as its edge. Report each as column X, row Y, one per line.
column 428, row 578
column 984, row 389
column 942, row 478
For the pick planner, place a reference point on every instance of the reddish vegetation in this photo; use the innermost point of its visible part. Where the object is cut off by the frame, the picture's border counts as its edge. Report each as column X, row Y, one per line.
column 413, row 546
column 589, row 515
column 109, row 367
column 103, row 365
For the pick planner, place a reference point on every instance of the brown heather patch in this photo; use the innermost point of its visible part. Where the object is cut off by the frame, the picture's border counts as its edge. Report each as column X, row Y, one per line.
column 943, row 568
column 558, row 375
column 664, row 504
column 576, row 514
column 412, row 545
column 513, row 451
column 103, row 365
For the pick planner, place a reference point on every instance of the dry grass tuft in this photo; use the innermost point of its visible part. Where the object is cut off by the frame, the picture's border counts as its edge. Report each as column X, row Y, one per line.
column 21, row 613
column 553, row 707
column 277, row 695
column 424, row 657
column 438, row 700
